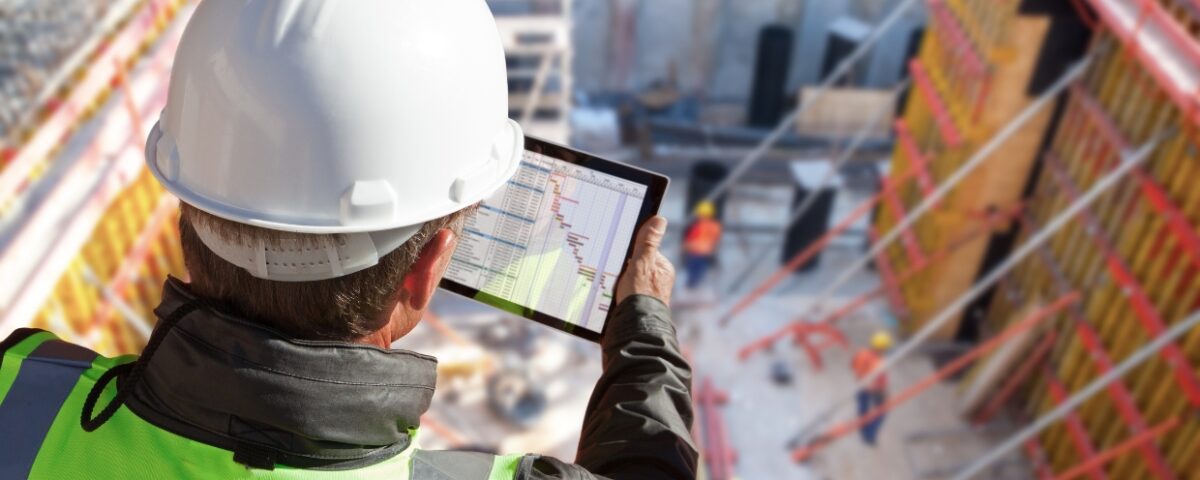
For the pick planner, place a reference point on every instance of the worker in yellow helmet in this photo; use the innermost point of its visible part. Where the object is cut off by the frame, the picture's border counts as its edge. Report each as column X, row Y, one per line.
column 874, row 395
column 700, row 243
column 326, row 155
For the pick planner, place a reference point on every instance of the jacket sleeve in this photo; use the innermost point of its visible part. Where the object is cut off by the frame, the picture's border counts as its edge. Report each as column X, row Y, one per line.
column 638, row 420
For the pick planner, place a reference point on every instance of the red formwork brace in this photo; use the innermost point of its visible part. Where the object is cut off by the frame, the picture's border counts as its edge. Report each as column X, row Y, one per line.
column 804, row 452
column 803, row 334
column 1010, row 386
column 954, row 36
column 892, row 199
column 1117, row 450
column 908, row 145
column 941, row 114
column 1123, row 399
column 815, row 247
column 1155, row 195
column 1034, row 451
column 1144, row 310
column 1075, row 429
column 1178, row 225
column 1178, row 37
column 1117, row 391
column 885, row 289
column 719, row 455
column 891, row 285
column 975, row 65
column 1177, row 222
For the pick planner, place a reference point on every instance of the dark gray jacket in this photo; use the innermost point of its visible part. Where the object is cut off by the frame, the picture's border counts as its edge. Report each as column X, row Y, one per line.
column 269, row 399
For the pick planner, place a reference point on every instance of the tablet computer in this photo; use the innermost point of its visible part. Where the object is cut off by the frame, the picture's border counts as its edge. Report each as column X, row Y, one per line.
column 550, row 245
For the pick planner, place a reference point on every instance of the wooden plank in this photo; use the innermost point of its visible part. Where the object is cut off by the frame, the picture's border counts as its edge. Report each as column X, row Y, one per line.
column 843, row 112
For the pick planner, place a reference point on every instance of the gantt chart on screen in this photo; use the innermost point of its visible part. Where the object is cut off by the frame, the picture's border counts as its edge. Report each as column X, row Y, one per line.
column 553, row 239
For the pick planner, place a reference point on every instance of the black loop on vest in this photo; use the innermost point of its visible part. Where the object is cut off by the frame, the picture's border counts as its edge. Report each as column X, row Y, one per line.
column 129, row 374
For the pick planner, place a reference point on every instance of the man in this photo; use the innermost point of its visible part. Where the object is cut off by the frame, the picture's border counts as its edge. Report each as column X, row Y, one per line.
column 865, row 361
column 326, row 154
column 700, row 243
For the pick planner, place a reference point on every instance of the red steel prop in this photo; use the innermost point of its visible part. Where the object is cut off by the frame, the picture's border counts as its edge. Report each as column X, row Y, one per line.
column 801, row 327
column 1136, row 441
column 814, row 248
column 714, row 438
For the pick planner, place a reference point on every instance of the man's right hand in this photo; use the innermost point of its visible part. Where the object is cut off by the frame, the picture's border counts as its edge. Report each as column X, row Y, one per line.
column 648, row 272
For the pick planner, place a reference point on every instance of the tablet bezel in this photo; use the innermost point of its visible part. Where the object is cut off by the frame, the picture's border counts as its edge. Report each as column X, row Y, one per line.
column 656, row 188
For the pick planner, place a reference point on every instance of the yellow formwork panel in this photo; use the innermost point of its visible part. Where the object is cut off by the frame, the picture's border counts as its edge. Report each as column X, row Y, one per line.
column 137, row 238
column 1142, row 240
column 977, row 99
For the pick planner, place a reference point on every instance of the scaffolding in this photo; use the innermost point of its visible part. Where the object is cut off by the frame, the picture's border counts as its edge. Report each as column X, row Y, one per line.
column 537, row 41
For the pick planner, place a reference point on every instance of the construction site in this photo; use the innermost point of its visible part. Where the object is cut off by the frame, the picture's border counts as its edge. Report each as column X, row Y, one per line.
column 993, row 200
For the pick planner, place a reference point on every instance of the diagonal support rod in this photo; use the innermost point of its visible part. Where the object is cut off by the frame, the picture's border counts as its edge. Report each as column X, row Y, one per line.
column 1130, row 161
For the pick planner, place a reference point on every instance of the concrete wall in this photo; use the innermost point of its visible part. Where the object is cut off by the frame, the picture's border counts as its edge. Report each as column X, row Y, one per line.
column 712, row 43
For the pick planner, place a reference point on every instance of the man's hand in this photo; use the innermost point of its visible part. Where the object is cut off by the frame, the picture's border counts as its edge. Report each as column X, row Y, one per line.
column 648, row 272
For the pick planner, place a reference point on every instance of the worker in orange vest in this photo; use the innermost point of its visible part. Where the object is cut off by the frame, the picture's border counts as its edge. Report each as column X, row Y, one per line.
column 700, row 243
column 874, row 395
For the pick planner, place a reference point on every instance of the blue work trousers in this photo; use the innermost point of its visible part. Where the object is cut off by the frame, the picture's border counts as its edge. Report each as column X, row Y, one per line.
column 867, row 401
column 697, row 266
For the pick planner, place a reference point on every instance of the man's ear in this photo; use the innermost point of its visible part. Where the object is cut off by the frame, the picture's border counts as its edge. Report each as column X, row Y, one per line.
column 421, row 281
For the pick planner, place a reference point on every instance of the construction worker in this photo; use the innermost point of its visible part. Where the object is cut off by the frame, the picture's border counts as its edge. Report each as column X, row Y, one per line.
column 326, row 154
column 700, row 243
column 865, row 361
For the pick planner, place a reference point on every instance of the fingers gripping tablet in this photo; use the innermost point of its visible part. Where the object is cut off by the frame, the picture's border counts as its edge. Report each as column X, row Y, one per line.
column 551, row 244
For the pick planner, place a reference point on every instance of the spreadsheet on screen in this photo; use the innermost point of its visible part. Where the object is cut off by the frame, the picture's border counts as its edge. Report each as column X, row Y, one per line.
column 553, row 240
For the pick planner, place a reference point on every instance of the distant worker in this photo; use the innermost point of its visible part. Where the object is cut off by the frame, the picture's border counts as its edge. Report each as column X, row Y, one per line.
column 874, row 395
column 700, row 243
column 326, row 154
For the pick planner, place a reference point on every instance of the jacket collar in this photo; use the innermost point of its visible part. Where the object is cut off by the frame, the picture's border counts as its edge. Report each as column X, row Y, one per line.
column 232, row 383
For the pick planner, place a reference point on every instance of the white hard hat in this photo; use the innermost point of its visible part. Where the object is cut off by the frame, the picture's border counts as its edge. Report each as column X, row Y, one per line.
column 366, row 118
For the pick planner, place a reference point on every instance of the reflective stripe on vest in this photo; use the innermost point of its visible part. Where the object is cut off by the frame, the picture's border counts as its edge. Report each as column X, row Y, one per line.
column 447, row 465
column 38, row 373
column 43, row 385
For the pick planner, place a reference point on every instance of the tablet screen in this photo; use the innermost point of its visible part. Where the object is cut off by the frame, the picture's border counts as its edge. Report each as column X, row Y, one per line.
column 553, row 241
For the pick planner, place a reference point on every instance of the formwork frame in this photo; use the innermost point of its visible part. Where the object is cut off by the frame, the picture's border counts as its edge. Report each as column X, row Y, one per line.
column 113, row 253
column 1153, row 260
column 1061, row 219
column 1135, row 359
